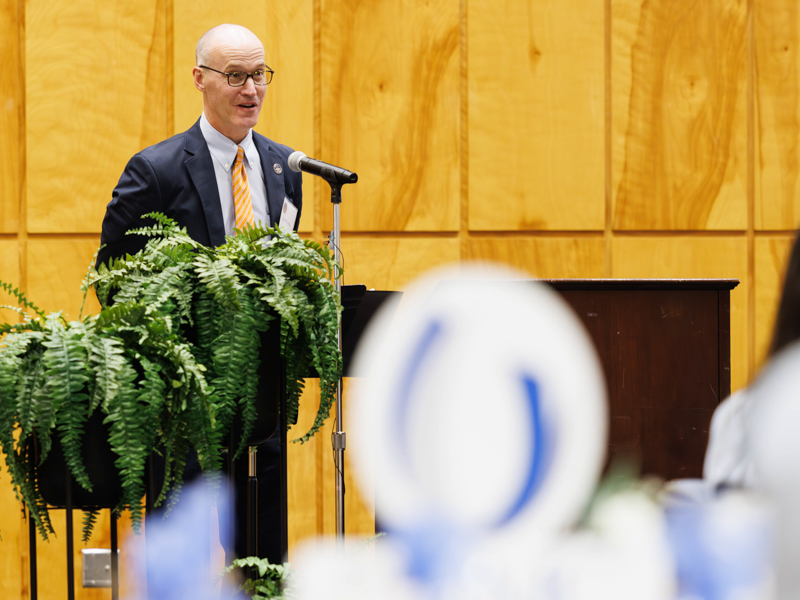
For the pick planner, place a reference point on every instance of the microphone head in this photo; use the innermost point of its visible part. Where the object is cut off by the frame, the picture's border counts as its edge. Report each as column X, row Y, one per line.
column 294, row 160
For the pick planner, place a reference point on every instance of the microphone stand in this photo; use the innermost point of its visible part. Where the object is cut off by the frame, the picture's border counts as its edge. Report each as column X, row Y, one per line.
column 338, row 437
column 336, row 178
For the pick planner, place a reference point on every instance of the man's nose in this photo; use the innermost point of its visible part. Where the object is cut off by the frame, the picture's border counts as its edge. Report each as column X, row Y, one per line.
column 249, row 85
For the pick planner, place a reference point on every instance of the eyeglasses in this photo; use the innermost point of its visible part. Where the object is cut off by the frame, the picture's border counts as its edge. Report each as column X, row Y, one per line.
column 237, row 79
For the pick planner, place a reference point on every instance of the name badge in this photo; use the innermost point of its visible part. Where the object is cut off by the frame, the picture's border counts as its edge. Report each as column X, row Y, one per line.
column 288, row 216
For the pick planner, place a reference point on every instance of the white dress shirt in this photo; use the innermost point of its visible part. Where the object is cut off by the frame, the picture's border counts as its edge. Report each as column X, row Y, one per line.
column 223, row 153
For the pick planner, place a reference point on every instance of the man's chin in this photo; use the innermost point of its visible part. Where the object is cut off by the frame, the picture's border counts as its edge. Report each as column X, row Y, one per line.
column 247, row 121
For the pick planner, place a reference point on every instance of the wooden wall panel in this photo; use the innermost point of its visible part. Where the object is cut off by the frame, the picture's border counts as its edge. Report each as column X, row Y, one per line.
column 304, row 461
column 191, row 20
column 94, row 80
column 12, row 534
column 12, row 98
column 777, row 113
column 535, row 115
column 13, row 547
column 393, row 263
column 547, row 258
column 9, row 273
column 679, row 114
column 390, row 111
column 288, row 113
column 57, row 268
column 286, row 31
column 771, row 259
column 694, row 257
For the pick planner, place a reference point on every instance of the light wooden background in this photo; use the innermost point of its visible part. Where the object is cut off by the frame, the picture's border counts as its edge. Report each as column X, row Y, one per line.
column 578, row 138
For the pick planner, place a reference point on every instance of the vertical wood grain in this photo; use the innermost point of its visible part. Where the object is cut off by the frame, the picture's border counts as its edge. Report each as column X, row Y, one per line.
column 11, row 113
column 288, row 113
column 536, row 115
column 390, row 111
column 91, row 100
column 694, row 257
column 771, row 259
column 12, row 529
column 777, row 107
column 60, row 266
column 679, row 114
column 9, row 273
column 306, row 487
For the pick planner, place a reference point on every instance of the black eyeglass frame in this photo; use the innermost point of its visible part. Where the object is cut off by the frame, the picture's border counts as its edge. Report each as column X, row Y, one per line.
column 268, row 72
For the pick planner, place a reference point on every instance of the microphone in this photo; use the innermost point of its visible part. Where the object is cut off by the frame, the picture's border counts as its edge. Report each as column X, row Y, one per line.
column 298, row 161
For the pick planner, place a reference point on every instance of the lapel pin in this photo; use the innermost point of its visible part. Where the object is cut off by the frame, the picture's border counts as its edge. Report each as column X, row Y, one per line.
column 278, row 169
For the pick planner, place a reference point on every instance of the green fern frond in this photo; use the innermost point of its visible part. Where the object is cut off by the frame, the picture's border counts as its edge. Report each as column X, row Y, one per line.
column 22, row 299
column 31, row 388
column 65, row 361
column 129, row 423
column 88, row 522
column 107, row 362
column 219, row 278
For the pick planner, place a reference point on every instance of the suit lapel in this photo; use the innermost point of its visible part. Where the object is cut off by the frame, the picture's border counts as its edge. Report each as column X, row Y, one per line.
column 201, row 170
column 272, row 166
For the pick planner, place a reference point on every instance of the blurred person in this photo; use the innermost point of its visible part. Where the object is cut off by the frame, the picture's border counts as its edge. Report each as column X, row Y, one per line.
column 728, row 461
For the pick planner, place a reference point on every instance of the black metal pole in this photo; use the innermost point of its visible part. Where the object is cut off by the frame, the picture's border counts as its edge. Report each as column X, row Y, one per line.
column 338, row 437
column 114, row 558
column 152, row 491
column 32, row 550
column 70, row 549
column 252, row 502
column 284, row 491
column 230, row 541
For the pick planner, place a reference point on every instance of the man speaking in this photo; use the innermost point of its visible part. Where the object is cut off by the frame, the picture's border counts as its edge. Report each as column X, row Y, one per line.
column 219, row 174
column 216, row 177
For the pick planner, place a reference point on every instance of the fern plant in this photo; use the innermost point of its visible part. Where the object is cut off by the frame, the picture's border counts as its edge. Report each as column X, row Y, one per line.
column 267, row 581
column 128, row 363
column 170, row 362
column 224, row 298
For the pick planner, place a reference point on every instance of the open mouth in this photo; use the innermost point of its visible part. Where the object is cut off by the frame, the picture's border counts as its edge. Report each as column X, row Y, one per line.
column 247, row 106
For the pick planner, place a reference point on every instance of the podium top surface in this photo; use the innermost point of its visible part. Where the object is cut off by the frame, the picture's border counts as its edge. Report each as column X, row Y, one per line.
column 641, row 284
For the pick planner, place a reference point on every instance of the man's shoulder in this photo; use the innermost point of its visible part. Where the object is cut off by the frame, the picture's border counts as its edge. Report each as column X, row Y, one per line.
column 174, row 147
column 265, row 142
column 169, row 147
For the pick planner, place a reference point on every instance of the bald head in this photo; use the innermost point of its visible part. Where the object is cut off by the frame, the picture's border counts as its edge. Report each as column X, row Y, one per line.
column 231, row 110
column 223, row 36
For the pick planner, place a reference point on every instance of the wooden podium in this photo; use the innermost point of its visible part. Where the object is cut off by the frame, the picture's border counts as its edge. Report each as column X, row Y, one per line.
column 665, row 349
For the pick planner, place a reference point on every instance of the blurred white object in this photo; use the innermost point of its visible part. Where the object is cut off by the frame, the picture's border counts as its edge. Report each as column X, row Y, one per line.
column 722, row 548
column 775, row 445
column 173, row 556
column 482, row 423
column 323, row 569
column 622, row 555
column 728, row 462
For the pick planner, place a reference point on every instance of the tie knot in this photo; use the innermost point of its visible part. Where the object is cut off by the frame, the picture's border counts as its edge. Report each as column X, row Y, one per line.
column 239, row 154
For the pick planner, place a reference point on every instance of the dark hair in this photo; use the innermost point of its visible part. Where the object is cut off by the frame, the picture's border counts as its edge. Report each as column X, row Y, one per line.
column 787, row 322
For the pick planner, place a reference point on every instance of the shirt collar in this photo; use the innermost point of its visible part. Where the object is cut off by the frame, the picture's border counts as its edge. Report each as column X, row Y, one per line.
column 223, row 149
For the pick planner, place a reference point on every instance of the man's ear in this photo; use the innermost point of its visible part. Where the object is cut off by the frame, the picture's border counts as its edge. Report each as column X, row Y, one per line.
column 197, row 73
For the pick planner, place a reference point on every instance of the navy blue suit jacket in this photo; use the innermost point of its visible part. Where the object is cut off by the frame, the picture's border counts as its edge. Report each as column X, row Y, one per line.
column 176, row 177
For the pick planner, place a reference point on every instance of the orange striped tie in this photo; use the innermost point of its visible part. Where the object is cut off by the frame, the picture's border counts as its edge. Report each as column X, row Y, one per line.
column 242, row 202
